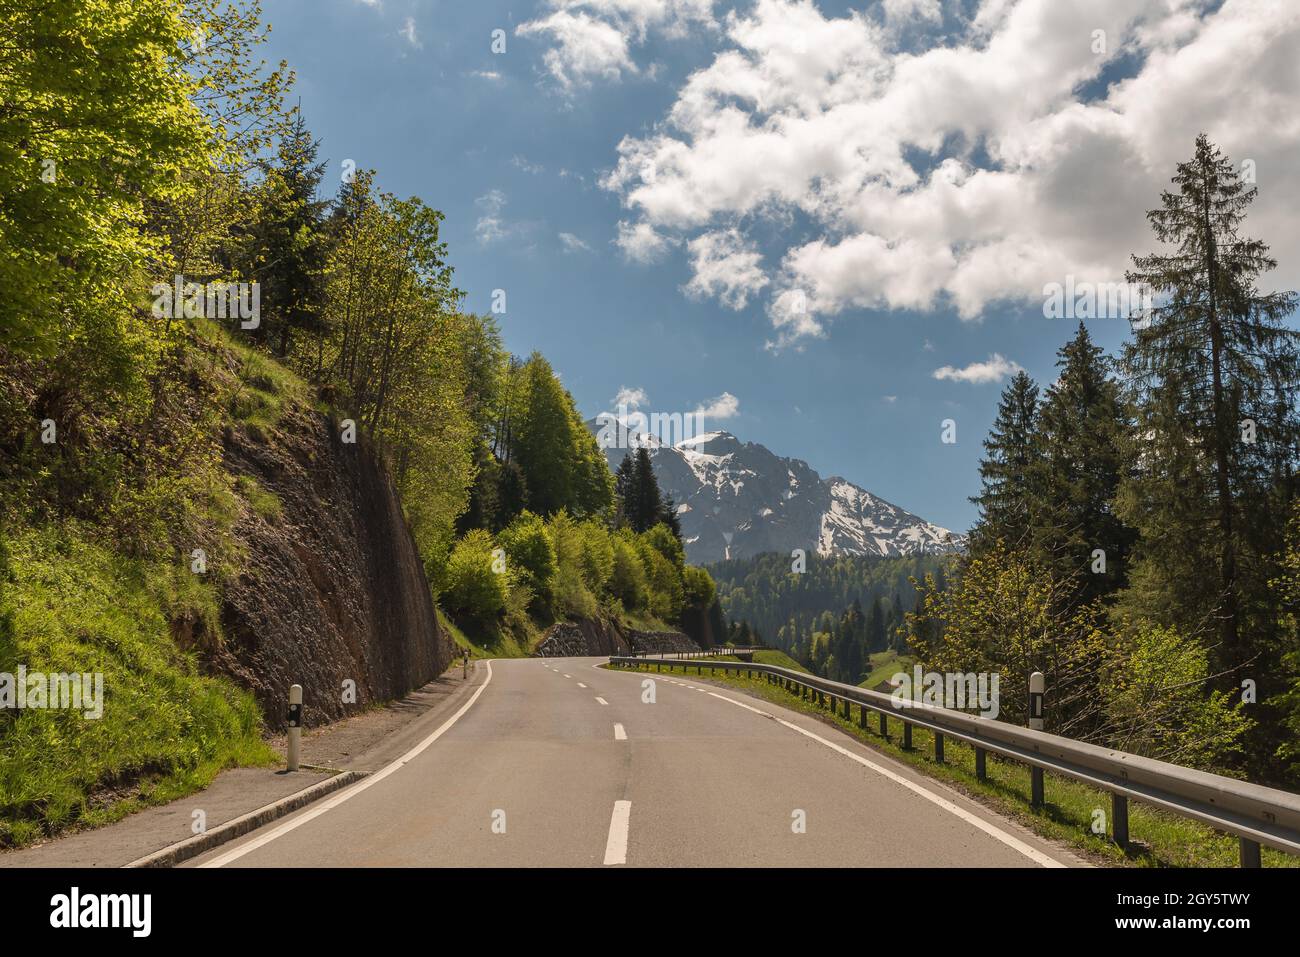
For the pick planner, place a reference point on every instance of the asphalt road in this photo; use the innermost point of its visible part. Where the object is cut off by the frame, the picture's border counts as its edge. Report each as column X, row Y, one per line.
column 554, row 762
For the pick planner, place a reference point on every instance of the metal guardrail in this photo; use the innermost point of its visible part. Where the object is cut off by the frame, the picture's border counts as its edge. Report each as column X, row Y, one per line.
column 714, row 652
column 1257, row 815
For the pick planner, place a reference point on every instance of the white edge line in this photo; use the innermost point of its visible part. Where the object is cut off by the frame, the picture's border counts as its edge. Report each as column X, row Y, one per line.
column 353, row 790
column 1035, row 855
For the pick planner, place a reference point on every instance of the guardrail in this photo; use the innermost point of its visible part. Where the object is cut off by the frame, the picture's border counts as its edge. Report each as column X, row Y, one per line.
column 1257, row 815
column 715, row 652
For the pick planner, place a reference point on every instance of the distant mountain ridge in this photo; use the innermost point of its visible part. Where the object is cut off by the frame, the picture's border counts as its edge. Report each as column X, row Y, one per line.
column 739, row 499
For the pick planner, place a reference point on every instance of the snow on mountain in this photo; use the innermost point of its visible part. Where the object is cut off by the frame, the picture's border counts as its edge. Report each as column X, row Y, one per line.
column 735, row 500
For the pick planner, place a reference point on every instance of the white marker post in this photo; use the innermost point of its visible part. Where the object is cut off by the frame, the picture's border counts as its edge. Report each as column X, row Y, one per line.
column 295, row 725
column 1037, row 685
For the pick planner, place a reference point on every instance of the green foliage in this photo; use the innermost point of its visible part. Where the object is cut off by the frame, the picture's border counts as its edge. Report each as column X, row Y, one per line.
column 698, row 588
column 473, row 587
column 530, row 553
column 627, row 582
column 1134, row 687
column 1154, row 696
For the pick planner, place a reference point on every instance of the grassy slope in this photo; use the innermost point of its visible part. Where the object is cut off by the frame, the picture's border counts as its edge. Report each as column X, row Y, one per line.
column 166, row 730
column 884, row 665
column 73, row 603
column 1160, row 840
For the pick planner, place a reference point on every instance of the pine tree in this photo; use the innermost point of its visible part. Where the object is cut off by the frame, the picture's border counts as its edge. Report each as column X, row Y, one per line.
column 642, row 503
column 1009, row 472
column 1215, row 376
column 668, row 515
column 1083, row 424
column 288, row 243
column 877, row 638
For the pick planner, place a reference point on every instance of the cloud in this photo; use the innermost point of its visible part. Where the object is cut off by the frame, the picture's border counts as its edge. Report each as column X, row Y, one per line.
column 903, row 11
column 491, row 75
column 572, row 244
column 490, row 227
column 725, row 266
column 409, row 34
column 968, row 167
column 585, row 48
column 591, row 39
column 997, row 368
column 632, row 398
column 640, row 243
column 725, row 406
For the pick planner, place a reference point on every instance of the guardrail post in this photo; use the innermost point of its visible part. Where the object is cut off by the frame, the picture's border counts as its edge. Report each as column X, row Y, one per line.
column 1037, row 685
column 981, row 769
column 1119, row 819
column 862, row 718
column 938, row 747
column 295, row 725
column 907, row 736
column 846, row 708
column 884, row 725
column 1250, row 853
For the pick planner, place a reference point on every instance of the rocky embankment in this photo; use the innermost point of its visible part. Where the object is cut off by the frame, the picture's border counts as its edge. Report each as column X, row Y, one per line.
column 333, row 595
column 576, row 639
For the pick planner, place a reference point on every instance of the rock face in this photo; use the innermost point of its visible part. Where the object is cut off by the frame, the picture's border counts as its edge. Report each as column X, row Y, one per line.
column 333, row 589
column 578, row 639
column 737, row 500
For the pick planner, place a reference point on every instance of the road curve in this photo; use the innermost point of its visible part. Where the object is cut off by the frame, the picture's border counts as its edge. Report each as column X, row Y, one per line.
column 555, row 762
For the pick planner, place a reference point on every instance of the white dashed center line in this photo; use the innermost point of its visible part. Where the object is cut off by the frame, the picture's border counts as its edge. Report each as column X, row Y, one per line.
column 602, row 700
column 616, row 845
column 619, row 733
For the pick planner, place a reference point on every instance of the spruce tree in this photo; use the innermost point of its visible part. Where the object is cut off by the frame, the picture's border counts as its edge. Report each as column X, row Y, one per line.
column 288, row 243
column 1215, row 376
column 1010, row 470
column 1083, row 424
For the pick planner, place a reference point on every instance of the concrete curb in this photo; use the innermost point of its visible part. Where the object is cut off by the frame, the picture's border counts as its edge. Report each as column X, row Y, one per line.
column 192, row 847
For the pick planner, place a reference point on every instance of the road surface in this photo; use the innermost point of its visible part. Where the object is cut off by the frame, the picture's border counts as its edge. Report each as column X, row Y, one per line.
column 556, row 762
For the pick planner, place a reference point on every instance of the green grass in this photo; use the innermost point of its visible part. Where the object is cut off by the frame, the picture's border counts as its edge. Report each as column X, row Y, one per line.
column 779, row 659
column 70, row 605
column 494, row 641
column 262, row 389
column 884, row 665
column 1158, row 839
column 262, row 501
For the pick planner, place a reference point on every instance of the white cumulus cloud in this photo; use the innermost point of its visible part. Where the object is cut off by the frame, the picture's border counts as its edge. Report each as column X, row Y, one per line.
column 997, row 368
column 967, row 167
column 725, row 406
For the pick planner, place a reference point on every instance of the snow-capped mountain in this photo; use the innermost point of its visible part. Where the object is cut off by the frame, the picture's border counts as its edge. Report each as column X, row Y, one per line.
column 735, row 500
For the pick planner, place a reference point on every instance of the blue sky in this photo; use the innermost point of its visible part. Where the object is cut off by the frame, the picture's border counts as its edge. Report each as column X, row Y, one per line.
column 912, row 171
